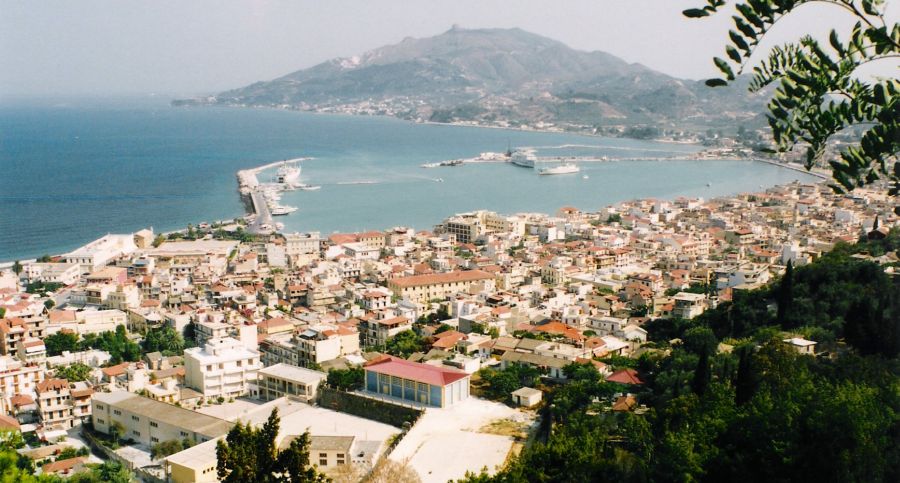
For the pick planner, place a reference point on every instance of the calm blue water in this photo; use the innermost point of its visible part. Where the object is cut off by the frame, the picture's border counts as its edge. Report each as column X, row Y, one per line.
column 70, row 173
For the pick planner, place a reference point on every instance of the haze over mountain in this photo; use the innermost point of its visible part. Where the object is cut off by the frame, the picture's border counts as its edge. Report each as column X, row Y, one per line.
column 501, row 77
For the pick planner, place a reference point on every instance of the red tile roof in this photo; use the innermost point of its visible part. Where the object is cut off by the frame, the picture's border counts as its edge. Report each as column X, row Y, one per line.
column 625, row 376
column 9, row 422
column 424, row 373
column 63, row 465
column 52, row 385
column 440, row 278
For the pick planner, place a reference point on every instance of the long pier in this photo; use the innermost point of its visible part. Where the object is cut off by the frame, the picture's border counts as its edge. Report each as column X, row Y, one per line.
column 263, row 224
column 249, row 186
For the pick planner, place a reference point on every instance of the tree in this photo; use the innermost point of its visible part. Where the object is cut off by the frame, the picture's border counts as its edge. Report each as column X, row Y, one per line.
column 116, row 431
column 61, row 341
column 166, row 448
column 159, row 240
column 74, row 372
column 250, row 454
column 346, row 379
column 17, row 268
column 404, row 344
column 163, row 339
column 820, row 91
column 786, row 294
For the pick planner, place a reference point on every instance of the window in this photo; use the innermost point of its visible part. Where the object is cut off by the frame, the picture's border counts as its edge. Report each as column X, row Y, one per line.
column 135, row 418
column 183, row 434
column 100, row 407
column 153, row 424
column 323, row 455
column 117, row 412
column 323, row 462
column 136, row 433
column 101, row 421
column 154, row 440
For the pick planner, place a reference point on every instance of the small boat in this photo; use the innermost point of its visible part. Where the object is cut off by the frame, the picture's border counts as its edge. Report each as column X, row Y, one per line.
column 567, row 168
column 585, row 177
column 708, row 184
column 439, row 180
column 309, row 187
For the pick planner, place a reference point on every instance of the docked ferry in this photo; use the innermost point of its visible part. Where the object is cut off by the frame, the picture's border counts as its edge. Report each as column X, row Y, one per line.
column 288, row 174
column 524, row 159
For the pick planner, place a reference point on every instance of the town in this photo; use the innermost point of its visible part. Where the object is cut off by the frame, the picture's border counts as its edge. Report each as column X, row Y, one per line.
column 391, row 348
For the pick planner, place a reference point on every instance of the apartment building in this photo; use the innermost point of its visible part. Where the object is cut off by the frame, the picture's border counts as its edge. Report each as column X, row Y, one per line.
column 688, row 305
column 64, row 273
column 222, row 367
column 283, row 380
column 55, row 404
column 17, row 377
column 303, row 248
column 376, row 332
column 422, row 288
column 149, row 422
column 313, row 345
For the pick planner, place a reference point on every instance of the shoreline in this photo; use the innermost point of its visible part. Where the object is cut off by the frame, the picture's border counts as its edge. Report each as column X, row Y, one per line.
column 821, row 179
column 433, row 123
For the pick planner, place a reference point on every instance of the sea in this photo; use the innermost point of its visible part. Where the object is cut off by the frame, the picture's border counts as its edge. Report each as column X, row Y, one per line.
column 72, row 171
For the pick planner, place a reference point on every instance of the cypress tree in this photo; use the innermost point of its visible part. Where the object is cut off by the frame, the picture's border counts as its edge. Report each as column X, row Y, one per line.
column 786, row 295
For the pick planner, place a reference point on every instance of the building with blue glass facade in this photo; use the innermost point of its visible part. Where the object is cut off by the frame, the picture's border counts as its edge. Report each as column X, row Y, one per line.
column 415, row 382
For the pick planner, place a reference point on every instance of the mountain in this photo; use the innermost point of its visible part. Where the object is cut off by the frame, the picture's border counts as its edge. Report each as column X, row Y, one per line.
column 502, row 77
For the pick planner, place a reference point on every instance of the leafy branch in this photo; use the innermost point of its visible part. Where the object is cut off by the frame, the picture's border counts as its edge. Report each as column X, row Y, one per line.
column 819, row 91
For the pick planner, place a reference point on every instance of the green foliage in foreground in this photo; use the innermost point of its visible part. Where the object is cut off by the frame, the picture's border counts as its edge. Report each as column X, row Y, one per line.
column 249, row 454
column 820, row 90
column 759, row 413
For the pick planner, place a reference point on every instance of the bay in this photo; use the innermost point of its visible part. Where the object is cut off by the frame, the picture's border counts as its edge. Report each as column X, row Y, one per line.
column 73, row 171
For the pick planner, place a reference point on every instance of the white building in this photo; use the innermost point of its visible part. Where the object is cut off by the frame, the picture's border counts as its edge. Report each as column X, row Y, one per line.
column 688, row 305
column 223, row 367
column 100, row 252
column 302, row 248
column 64, row 273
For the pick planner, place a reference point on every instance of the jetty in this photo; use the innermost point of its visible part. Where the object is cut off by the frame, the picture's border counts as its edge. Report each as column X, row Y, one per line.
column 254, row 194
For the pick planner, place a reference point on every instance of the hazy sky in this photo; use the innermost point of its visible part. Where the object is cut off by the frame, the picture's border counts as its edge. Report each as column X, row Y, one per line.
column 188, row 47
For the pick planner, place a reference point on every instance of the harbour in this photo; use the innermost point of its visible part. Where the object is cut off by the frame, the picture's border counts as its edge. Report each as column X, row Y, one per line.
column 264, row 197
column 367, row 167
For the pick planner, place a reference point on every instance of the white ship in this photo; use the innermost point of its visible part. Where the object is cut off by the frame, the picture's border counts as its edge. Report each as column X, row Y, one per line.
column 309, row 187
column 567, row 168
column 524, row 159
column 280, row 210
column 288, row 174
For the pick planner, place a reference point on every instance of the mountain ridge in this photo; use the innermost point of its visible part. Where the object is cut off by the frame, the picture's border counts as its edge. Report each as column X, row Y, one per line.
column 503, row 77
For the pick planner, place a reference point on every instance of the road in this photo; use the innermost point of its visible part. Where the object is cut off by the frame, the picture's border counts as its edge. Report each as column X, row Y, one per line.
column 263, row 215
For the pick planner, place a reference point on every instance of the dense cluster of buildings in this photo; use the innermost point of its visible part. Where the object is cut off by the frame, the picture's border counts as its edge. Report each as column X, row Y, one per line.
column 270, row 317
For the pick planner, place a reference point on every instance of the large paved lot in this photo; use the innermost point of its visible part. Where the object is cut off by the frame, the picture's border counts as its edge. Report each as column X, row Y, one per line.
column 445, row 443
